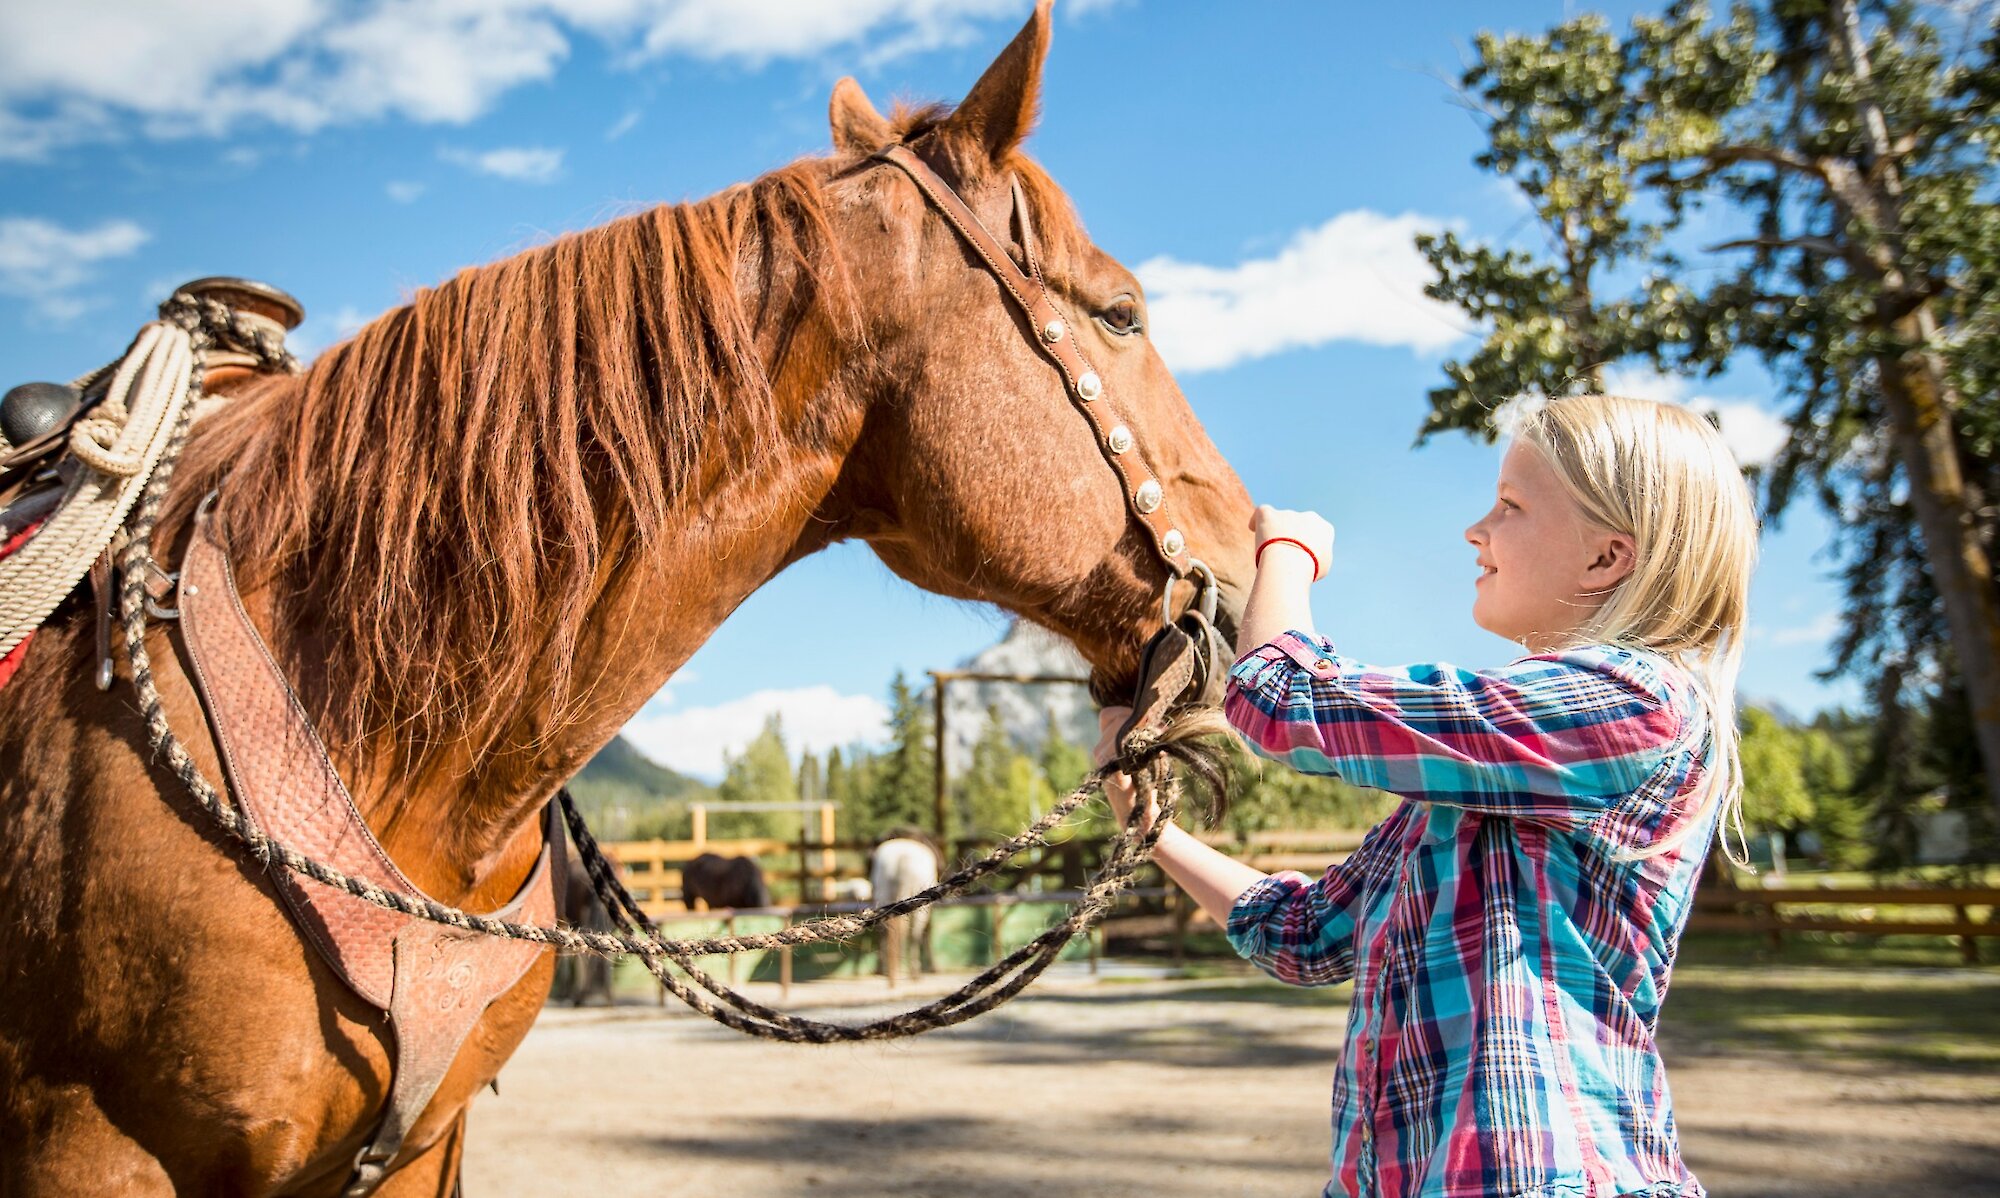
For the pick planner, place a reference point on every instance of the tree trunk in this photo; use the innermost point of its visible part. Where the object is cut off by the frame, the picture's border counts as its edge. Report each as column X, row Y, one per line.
column 1915, row 386
column 1921, row 430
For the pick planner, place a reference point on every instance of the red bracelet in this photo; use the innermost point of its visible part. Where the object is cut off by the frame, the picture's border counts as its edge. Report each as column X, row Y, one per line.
column 1258, row 558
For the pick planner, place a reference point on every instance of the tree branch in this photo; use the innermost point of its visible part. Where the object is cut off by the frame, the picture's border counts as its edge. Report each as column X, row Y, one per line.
column 1809, row 245
column 1731, row 154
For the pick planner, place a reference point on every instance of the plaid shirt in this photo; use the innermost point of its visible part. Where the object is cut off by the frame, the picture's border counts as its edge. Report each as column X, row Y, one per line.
column 1508, row 966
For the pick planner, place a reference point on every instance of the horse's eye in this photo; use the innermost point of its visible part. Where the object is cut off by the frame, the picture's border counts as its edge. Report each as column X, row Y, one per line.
column 1121, row 316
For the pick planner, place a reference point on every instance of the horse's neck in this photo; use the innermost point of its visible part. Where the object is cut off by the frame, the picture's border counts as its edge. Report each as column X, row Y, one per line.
column 657, row 605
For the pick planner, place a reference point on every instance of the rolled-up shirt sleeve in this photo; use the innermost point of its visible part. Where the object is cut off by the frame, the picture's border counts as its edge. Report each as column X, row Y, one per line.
column 1302, row 931
column 1556, row 738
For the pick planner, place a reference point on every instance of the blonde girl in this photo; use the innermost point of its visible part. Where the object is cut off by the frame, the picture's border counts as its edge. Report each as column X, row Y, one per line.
column 1511, row 926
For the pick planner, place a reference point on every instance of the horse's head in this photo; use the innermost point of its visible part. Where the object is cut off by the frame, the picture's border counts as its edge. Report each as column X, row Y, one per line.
column 975, row 476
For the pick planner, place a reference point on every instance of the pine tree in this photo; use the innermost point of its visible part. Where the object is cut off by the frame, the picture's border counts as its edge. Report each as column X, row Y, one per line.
column 904, row 780
column 761, row 774
column 987, row 802
column 812, row 781
column 1063, row 762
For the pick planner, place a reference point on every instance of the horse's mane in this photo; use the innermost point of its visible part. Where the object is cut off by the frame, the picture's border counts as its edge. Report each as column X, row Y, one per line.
column 438, row 495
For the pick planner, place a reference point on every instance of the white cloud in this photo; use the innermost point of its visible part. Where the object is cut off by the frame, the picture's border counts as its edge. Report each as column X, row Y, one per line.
column 318, row 332
column 522, row 164
column 1817, row 631
column 403, row 191
column 46, row 262
column 1754, row 435
column 165, row 57
column 816, row 718
column 756, row 31
column 71, row 73
column 623, row 125
column 1358, row 277
column 60, row 309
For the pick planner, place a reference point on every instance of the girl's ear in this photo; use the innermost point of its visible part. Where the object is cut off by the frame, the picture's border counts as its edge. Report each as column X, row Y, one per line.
column 1616, row 558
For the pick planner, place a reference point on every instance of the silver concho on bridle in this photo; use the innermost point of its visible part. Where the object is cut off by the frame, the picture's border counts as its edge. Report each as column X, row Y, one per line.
column 1144, row 496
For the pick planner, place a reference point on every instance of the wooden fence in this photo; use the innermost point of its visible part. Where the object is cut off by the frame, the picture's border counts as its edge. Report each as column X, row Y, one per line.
column 1912, row 911
column 811, row 870
column 652, row 870
column 1969, row 914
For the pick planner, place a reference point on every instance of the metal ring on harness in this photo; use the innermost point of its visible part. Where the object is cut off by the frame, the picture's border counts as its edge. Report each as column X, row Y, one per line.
column 1207, row 594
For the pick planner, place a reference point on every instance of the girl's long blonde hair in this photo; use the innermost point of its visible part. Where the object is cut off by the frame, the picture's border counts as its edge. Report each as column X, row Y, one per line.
column 1662, row 475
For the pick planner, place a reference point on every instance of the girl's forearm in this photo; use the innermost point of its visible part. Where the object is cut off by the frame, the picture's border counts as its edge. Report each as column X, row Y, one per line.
column 1277, row 601
column 1215, row 881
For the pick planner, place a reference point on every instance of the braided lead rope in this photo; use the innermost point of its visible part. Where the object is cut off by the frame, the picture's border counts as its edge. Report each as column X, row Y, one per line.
column 208, row 321
column 983, row 993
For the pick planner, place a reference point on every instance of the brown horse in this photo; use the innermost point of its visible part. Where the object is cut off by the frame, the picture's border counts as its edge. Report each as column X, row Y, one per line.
column 477, row 537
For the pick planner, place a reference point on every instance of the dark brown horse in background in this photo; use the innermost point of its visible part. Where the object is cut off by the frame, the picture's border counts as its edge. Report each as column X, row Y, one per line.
column 711, row 882
column 477, row 537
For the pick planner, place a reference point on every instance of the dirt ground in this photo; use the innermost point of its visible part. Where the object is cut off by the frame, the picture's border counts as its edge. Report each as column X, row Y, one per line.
column 1789, row 1081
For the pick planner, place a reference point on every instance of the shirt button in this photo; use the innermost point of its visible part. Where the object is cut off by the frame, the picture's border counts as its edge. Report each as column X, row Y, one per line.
column 1322, row 664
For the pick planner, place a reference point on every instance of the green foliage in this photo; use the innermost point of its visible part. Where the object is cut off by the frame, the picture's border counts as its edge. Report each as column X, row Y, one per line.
column 1802, row 778
column 762, row 773
column 1270, row 797
column 1775, row 798
column 903, row 779
column 1559, row 129
column 1004, row 790
column 811, row 783
column 625, row 795
column 1063, row 762
column 1834, row 258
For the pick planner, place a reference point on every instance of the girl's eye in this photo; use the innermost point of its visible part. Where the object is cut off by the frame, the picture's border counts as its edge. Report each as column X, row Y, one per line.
column 1510, row 505
column 1121, row 316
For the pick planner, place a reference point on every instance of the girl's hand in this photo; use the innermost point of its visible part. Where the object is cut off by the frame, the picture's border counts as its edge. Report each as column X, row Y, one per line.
column 1308, row 528
column 1118, row 788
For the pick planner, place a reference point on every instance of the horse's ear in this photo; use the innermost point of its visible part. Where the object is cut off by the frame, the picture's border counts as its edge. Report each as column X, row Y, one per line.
column 857, row 127
column 1000, row 109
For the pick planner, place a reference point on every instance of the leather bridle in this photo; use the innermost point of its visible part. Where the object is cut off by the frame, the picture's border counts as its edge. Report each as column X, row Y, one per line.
column 1055, row 336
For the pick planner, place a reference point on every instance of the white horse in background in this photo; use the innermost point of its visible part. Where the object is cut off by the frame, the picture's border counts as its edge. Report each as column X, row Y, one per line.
column 903, row 866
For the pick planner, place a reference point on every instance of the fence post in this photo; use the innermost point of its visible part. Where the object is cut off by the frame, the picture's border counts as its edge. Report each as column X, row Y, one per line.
column 828, row 867
column 1968, row 945
column 698, row 813
column 785, row 963
column 942, row 774
column 729, row 926
column 998, row 948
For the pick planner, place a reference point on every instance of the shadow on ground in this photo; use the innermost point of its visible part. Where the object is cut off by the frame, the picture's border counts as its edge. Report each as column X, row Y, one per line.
column 1076, row 1153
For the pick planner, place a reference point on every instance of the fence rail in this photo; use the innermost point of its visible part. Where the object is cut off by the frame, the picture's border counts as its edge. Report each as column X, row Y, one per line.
column 813, row 869
column 1772, row 911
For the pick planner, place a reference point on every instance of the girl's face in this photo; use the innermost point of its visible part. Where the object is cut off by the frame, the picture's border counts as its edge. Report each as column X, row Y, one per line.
column 1544, row 568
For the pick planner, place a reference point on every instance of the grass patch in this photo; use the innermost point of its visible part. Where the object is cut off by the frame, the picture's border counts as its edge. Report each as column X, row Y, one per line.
column 1841, row 1018
column 1842, row 949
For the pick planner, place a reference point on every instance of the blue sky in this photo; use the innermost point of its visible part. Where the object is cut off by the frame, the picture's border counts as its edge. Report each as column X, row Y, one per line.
column 1262, row 168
